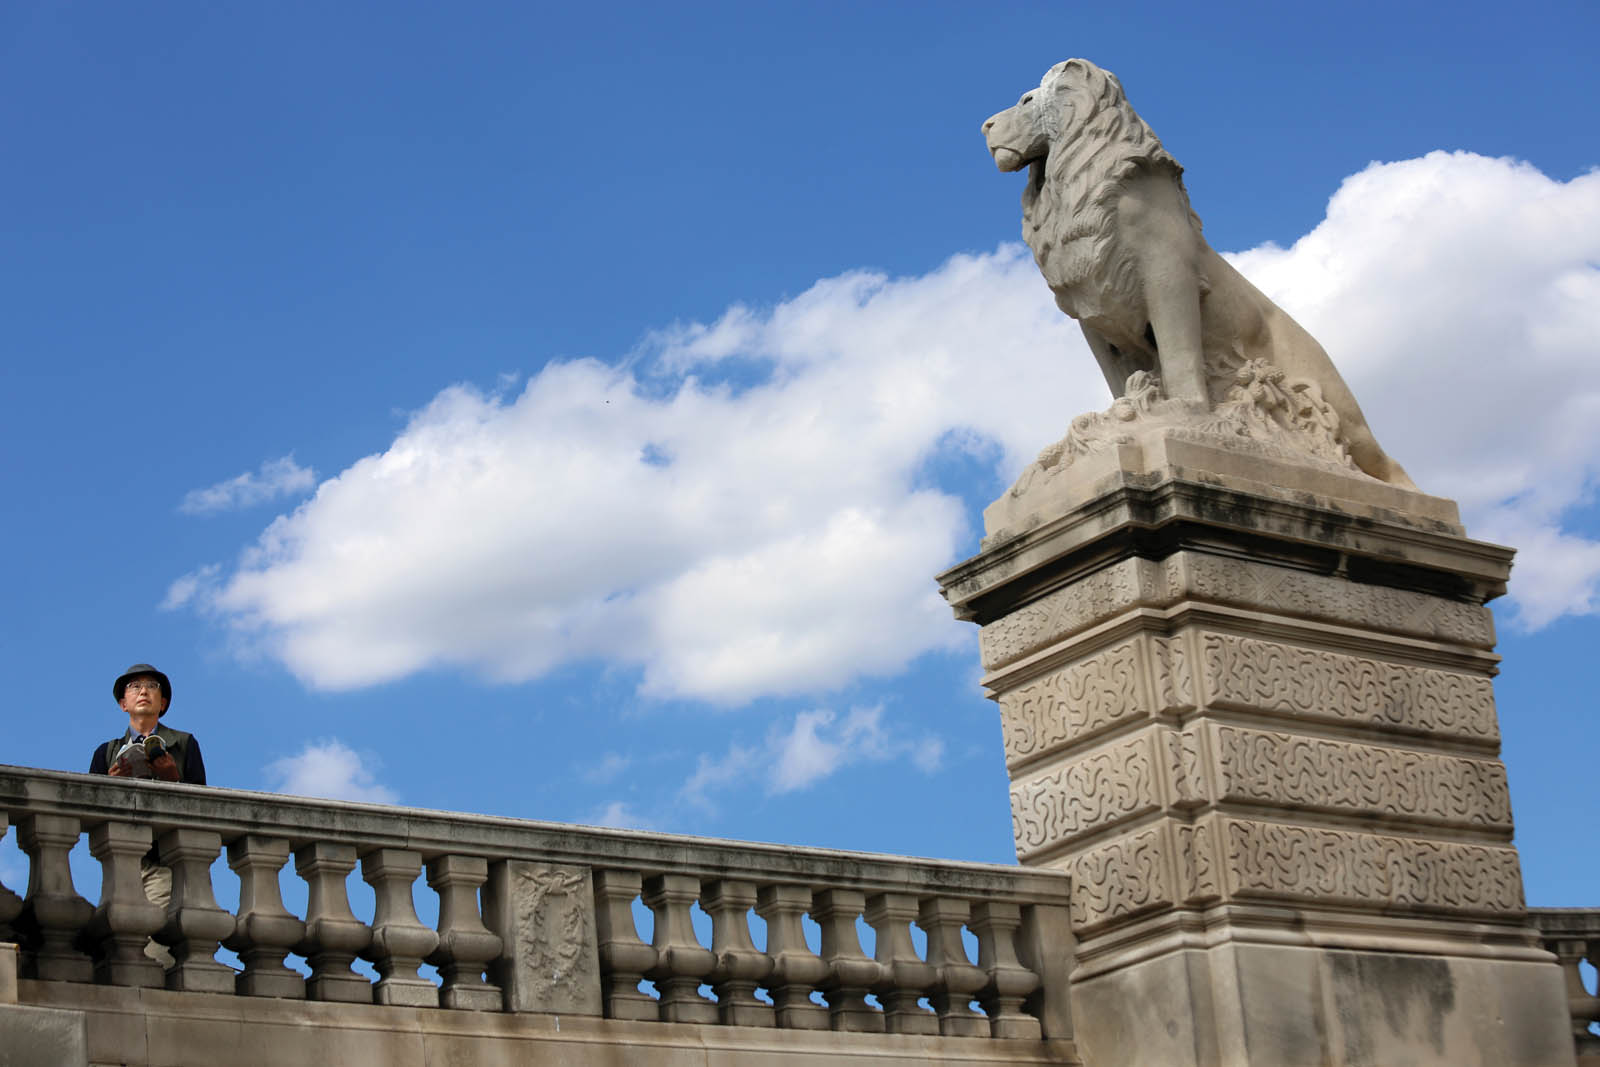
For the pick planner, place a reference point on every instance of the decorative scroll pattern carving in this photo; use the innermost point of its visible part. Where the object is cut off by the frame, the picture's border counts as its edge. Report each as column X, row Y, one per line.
column 1269, row 676
column 555, row 937
column 1314, row 772
column 1068, row 610
column 1172, row 673
column 1337, row 866
column 1114, row 784
column 1071, row 704
column 1196, row 866
column 1183, row 768
column 1320, row 596
column 1230, row 581
column 1119, row 879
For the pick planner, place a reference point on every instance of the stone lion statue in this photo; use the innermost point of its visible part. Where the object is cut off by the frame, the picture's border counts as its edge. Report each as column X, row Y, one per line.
column 1109, row 222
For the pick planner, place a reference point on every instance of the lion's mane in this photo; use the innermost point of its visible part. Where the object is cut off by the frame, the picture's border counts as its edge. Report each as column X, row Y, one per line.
column 1069, row 215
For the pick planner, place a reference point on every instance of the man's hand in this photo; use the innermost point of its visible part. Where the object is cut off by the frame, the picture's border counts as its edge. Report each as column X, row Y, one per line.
column 165, row 767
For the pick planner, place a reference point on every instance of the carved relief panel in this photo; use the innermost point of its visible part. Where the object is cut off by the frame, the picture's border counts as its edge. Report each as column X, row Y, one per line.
column 1315, row 864
column 545, row 915
column 1271, row 676
column 1108, row 786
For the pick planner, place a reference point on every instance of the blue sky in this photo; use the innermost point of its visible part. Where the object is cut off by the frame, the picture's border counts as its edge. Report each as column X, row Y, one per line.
column 562, row 412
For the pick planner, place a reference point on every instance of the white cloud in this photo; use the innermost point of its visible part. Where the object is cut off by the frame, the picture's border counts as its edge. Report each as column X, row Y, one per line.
column 815, row 745
column 740, row 762
column 745, row 508
column 619, row 815
column 1460, row 296
column 813, row 748
column 277, row 477
column 191, row 585
column 328, row 768
column 730, row 542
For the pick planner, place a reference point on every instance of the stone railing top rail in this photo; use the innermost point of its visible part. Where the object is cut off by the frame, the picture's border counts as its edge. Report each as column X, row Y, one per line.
column 303, row 820
column 1566, row 922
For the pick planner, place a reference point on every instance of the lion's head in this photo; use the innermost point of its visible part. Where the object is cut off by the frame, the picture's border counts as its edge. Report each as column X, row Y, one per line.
column 1080, row 140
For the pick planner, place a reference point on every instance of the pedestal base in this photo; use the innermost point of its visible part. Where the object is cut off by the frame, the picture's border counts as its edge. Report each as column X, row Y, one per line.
column 1247, row 703
column 1283, row 1006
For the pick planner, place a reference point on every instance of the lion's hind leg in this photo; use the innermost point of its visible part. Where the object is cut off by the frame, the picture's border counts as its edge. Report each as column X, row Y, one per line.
column 1370, row 456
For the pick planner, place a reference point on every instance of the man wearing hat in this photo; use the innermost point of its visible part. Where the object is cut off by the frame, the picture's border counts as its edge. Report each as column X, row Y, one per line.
column 149, row 750
column 146, row 749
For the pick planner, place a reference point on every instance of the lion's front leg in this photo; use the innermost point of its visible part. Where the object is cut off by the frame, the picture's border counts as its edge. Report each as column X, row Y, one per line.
column 1174, row 306
column 1157, row 230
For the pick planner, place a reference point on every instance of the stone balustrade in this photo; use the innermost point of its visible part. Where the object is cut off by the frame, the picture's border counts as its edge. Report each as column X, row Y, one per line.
column 555, row 932
column 1573, row 934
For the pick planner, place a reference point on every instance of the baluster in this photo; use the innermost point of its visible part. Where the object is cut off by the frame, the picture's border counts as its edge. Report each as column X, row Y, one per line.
column 796, row 970
column 10, row 903
column 624, row 958
column 958, row 982
column 333, row 935
column 851, row 975
column 125, row 919
column 195, row 925
column 1584, row 1007
column 53, row 908
column 399, row 940
column 739, row 965
column 1010, row 982
column 465, row 945
column 906, row 978
column 682, row 963
column 265, row 932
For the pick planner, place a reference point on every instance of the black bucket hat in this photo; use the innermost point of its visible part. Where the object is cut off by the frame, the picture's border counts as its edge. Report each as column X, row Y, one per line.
column 136, row 671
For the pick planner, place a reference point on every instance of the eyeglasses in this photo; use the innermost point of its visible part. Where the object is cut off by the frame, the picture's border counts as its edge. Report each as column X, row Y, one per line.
column 142, row 687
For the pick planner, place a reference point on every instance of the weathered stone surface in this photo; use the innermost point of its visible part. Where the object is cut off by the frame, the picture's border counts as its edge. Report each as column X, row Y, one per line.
column 42, row 1037
column 1316, row 865
column 1298, row 682
column 1291, row 1005
column 399, row 941
column 1093, row 599
column 163, row 1028
column 1077, row 702
column 53, row 908
column 466, row 947
column 1304, row 773
column 1257, row 727
column 1081, row 796
column 233, row 813
column 1122, row 878
column 1258, row 586
column 265, row 930
column 544, row 914
column 8, row 972
column 1171, row 490
column 195, row 926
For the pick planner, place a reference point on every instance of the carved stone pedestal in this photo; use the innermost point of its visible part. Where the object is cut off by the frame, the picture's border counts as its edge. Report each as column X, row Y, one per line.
column 1247, row 704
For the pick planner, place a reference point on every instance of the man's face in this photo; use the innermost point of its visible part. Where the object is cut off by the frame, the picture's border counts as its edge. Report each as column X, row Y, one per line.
column 142, row 696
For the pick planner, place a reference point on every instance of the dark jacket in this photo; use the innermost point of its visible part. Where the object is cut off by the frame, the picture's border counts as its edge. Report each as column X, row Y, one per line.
column 184, row 747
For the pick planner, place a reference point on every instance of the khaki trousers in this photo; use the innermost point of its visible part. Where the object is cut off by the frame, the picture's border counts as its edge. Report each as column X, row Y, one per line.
column 158, row 887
